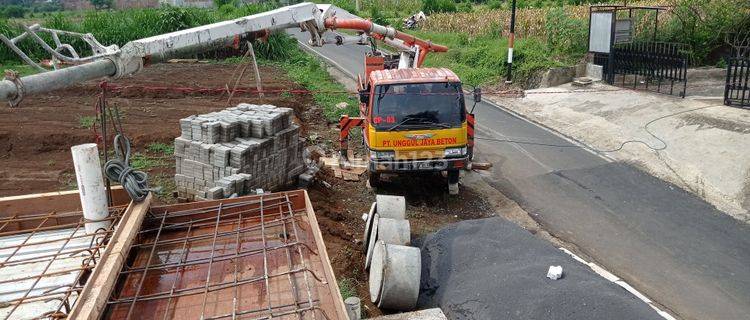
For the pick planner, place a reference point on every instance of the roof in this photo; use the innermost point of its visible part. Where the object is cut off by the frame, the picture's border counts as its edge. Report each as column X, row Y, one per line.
column 413, row 75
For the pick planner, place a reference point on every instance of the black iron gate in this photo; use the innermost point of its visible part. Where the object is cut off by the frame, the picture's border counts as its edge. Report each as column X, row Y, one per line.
column 656, row 66
column 737, row 89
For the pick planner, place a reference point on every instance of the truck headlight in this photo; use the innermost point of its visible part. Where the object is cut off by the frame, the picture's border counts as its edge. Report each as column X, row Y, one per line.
column 382, row 155
column 455, row 152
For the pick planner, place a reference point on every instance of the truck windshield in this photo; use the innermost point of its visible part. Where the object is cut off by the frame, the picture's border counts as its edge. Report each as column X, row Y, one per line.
column 418, row 106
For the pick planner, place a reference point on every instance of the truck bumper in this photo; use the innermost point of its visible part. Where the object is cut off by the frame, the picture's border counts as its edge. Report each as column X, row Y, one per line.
column 418, row 165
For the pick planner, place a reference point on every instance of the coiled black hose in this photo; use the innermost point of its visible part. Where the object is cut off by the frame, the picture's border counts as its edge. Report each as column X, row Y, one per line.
column 135, row 182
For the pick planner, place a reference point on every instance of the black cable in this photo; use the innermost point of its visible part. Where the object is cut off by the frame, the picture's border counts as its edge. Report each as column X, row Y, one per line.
column 135, row 182
column 622, row 145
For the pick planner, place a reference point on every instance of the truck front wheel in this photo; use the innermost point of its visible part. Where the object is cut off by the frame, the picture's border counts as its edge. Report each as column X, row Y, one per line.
column 453, row 177
column 373, row 179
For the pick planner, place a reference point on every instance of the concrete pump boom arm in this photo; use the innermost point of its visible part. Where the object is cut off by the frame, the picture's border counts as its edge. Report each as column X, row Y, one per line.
column 114, row 62
column 387, row 34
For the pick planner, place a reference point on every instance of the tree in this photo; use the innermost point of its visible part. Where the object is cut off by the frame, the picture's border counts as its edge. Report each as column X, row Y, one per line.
column 101, row 4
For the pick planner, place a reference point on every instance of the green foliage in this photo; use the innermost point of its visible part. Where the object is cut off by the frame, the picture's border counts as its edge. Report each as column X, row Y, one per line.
column 12, row 11
column 46, row 6
column 227, row 9
column 378, row 17
column 436, row 6
column 163, row 148
column 565, row 35
column 101, row 4
column 702, row 24
column 254, row 8
column 220, row 3
column 164, row 185
column 482, row 60
column 464, row 7
column 22, row 69
column 140, row 161
column 86, row 121
column 278, row 47
column 494, row 4
column 346, row 287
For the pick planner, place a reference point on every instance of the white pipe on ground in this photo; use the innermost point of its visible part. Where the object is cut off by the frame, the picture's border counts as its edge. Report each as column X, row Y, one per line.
column 91, row 186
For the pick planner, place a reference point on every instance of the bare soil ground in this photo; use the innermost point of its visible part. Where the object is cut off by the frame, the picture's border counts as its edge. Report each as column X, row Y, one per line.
column 35, row 139
column 35, row 142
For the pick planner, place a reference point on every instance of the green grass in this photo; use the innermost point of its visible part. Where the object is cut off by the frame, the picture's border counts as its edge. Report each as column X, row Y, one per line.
column 22, row 69
column 162, row 148
column 143, row 162
column 482, row 60
column 347, row 289
column 165, row 185
column 86, row 122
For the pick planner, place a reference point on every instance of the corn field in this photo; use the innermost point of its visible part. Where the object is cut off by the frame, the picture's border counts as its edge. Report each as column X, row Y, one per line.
column 530, row 22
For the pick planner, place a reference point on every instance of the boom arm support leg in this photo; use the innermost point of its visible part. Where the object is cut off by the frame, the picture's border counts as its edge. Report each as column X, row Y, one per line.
column 346, row 124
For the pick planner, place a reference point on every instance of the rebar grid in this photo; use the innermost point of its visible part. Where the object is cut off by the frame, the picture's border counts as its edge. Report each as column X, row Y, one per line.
column 65, row 293
column 247, row 223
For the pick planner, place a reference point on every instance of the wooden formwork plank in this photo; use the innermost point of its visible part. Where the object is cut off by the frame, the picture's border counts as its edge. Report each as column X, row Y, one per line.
column 338, row 300
column 93, row 297
column 58, row 201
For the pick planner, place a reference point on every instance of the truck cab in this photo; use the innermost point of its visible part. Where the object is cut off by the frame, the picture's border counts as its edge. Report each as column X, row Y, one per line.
column 414, row 120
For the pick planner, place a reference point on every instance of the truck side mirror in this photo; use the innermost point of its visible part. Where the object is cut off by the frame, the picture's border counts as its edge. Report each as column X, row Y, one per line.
column 477, row 94
column 364, row 96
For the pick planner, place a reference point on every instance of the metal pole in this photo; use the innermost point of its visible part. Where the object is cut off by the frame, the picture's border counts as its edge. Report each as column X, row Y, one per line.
column 511, row 39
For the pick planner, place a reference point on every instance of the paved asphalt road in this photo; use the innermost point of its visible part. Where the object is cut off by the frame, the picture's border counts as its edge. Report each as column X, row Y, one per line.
column 674, row 247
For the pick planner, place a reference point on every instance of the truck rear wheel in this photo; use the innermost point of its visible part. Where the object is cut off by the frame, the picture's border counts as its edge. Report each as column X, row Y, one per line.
column 453, row 176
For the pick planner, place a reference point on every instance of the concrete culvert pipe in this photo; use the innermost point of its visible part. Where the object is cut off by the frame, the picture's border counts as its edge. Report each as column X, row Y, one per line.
column 393, row 231
column 373, row 240
column 368, row 225
column 394, row 276
column 393, row 207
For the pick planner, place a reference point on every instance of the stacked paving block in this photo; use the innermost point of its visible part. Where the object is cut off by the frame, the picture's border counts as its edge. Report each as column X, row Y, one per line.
column 237, row 151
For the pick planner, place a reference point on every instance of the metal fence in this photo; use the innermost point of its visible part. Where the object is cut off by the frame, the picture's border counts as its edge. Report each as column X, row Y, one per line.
column 737, row 88
column 656, row 66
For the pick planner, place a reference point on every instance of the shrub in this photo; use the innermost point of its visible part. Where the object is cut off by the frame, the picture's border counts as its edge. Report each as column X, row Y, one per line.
column 227, row 9
column 13, row 11
column 565, row 34
column 436, row 6
column 220, row 3
column 101, row 4
column 464, row 7
column 495, row 4
column 47, row 6
column 278, row 47
column 378, row 17
column 702, row 24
